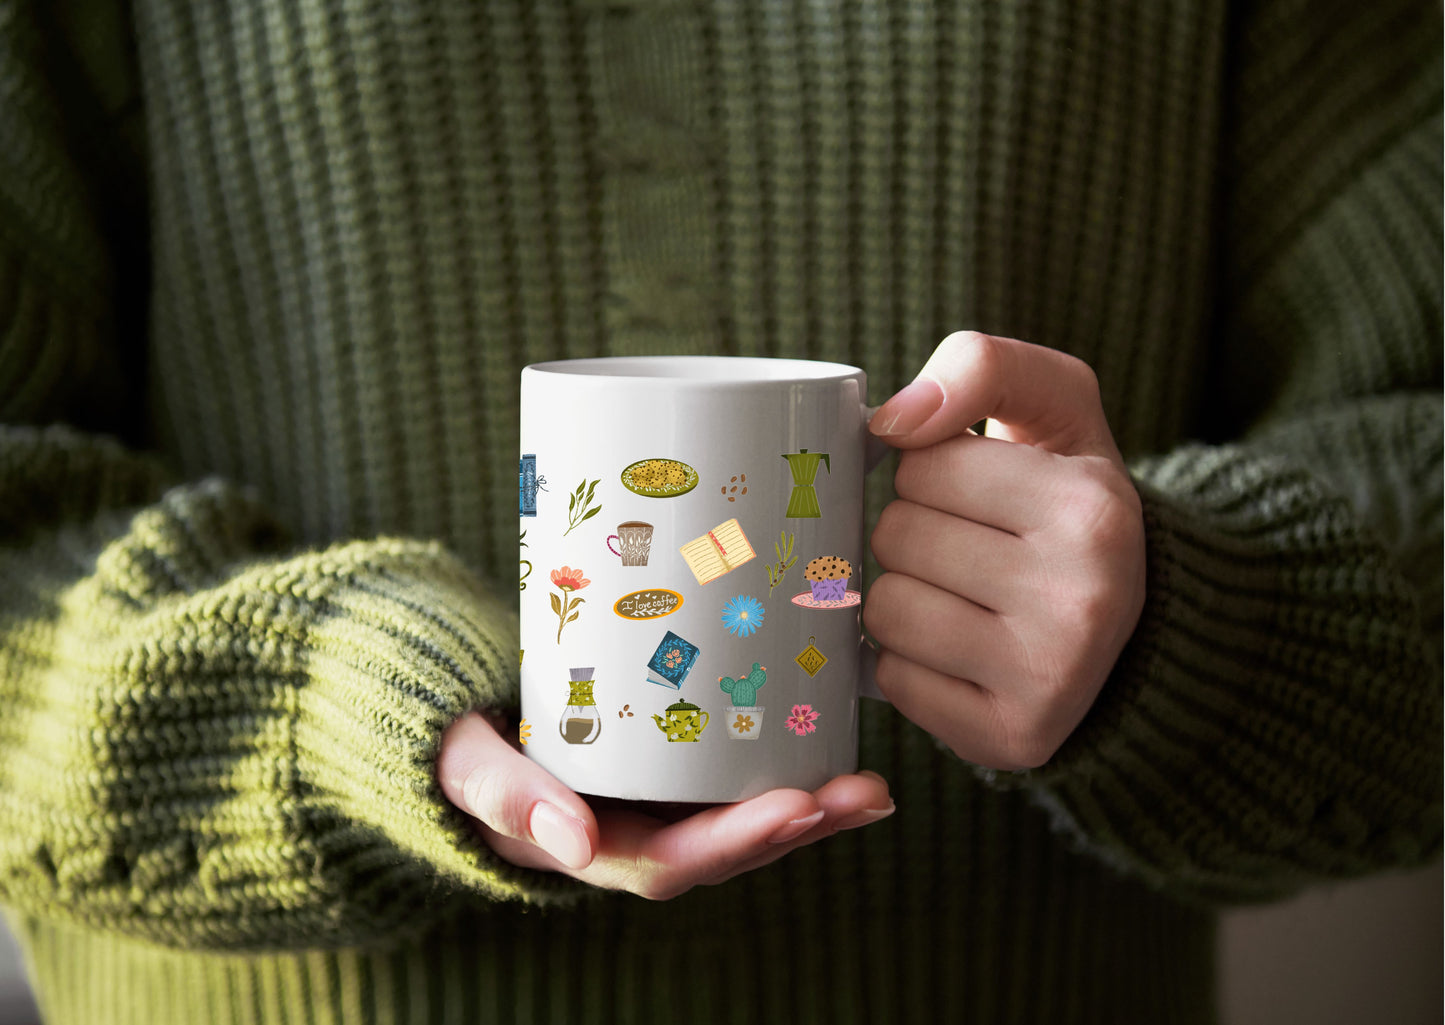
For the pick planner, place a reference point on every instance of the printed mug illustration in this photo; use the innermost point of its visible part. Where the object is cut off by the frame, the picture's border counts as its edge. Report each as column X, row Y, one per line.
column 721, row 550
column 828, row 577
column 581, row 722
column 802, row 721
column 580, row 507
column 744, row 716
column 683, row 722
column 783, row 549
column 810, row 659
column 739, row 488
column 634, row 542
column 524, row 732
column 672, row 661
column 743, row 616
column 803, row 502
column 626, row 712
column 659, row 478
column 522, row 579
column 649, row 603
column 528, row 484
column 567, row 580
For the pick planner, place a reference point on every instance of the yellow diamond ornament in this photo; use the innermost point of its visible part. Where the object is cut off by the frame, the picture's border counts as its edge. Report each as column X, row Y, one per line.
column 811, row 659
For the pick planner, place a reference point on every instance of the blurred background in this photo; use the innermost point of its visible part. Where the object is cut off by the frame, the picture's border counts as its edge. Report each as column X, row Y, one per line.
column 1370, row 951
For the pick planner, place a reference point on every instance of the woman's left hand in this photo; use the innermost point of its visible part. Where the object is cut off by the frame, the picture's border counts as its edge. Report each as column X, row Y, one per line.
column 1014, row 561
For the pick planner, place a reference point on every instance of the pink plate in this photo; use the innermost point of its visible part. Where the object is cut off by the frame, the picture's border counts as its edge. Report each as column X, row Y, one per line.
column 850, row 599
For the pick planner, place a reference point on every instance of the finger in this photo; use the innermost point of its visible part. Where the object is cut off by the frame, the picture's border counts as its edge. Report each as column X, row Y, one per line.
column 988, row 566
column 943, row 631
column 967, row 718
column 660, row 861
column 1015, row 488
column 513, row 796
column 1028, row 393
column 849, row 802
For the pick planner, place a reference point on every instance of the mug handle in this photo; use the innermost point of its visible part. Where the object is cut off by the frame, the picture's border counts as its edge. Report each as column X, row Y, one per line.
column 703, row 725
column 876, row 452
column 868, row 671
column 614, row 551
column 877, row 449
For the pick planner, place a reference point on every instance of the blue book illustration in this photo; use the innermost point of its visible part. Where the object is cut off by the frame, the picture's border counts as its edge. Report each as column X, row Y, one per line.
column 528, row 484
column 672, row 661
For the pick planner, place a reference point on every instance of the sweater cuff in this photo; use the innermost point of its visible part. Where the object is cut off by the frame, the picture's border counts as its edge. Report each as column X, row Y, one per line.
column 401, row 642
column 1275, row 717
column 216, row 744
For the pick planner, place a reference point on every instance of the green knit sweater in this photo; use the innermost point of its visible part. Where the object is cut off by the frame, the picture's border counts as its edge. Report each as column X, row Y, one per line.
column 275, row 267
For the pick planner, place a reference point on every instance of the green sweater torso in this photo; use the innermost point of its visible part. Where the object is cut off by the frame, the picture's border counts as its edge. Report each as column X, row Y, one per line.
column 300, row 255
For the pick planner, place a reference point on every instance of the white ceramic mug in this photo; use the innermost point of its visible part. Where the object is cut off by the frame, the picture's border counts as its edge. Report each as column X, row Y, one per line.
column 730, row 662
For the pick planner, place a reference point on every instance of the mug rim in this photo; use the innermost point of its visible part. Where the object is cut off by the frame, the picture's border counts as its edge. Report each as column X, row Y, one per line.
column 699, row 370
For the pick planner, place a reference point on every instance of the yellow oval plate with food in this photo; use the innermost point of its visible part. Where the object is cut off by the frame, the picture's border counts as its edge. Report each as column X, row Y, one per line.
column 659, row 478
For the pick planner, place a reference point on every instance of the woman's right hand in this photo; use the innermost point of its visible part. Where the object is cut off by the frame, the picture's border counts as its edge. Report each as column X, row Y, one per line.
column 532, row 819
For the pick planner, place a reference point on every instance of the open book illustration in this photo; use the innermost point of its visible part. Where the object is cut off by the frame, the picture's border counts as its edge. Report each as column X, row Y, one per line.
column 721, row 550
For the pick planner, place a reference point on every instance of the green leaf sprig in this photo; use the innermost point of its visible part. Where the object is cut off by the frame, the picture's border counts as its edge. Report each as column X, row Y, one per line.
column 579, row 505
column 783, row 549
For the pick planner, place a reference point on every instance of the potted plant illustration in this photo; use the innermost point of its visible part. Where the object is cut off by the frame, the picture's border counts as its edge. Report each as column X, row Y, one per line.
column 744, row 716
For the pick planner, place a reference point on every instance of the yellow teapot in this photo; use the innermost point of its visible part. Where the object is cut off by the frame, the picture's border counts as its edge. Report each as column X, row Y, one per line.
column 684, row 722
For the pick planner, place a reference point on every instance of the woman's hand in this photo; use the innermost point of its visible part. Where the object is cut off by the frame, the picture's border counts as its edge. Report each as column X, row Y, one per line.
column 1015, row 561
column 532, row 819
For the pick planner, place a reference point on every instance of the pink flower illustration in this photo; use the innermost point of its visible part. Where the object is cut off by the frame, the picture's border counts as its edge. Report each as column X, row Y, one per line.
column 569, row 579
column 564, row 605
column 802, row 720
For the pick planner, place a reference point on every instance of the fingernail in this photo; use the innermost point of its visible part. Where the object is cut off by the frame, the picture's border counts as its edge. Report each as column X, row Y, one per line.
column 907, row 410
column 560, row 835
column 867, row 815
column 796, row 828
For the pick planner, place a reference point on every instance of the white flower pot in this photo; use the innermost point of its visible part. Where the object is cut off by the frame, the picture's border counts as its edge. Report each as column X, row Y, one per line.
column 744, row 722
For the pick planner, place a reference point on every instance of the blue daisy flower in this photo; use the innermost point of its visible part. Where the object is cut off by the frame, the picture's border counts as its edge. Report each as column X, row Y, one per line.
column 743, row 616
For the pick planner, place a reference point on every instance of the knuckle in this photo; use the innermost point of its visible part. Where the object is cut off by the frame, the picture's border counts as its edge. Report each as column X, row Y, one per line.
column 976, row 353
column 1030, row 752
column 490, row 794
column 927, row 476
column 1029, row 730
column 880, row 612
column 967, row 342
column 880, row 542
column 1099, row 510
column 1084, row 379
column 886, row 673
column 915, row 468
column 890, row 532
column 1023, row 745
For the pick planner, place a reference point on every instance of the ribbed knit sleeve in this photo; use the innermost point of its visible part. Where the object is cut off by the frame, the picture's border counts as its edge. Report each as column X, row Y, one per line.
column 206, row 738
column 1276, row 719
column 207, row 742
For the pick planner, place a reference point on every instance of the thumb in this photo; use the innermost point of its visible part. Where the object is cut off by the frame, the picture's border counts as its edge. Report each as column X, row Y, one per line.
column 487, row 778
column 1034, row 394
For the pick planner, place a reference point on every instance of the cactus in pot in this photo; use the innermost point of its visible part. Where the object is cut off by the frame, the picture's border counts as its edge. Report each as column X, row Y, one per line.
column 744, row 716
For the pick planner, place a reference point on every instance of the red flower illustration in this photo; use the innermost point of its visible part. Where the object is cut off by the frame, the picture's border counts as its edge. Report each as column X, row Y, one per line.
column 569, row 579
